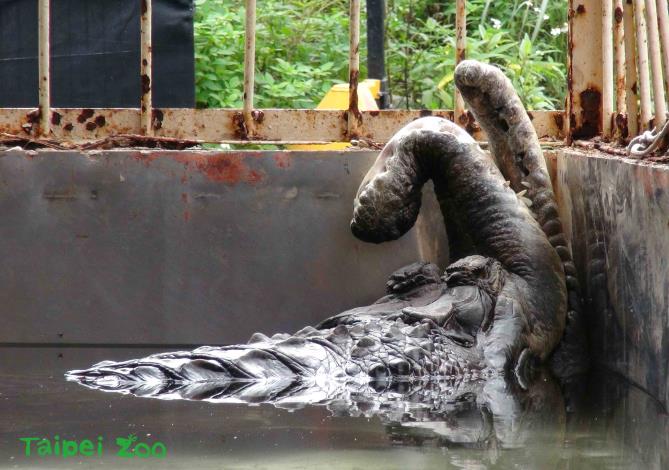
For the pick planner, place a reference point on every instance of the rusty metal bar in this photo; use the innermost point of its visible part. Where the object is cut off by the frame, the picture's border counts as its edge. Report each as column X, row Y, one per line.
column 607, row 67
column 146, row 68
column 44, row 67
column 354, row 115
column 656, row 64
column 642, row 63
column 460, row 52
column 663, row 21
column 631, row 88
column 71, row 125
column 621, row 95
column 249, row 66
column 584, row 69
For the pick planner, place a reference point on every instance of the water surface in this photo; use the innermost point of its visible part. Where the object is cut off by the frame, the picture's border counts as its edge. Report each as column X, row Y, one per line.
column 597, row 421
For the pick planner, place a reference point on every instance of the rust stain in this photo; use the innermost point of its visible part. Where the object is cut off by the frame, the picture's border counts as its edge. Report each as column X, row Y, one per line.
column 258, row 116
column 353, row 94
column 229, row 168
column 618, row 15
column 591, row 104
column 580, row 9
column 55, row 118
column 255, row 177
column 157, row 118
column 621, row 125
column 91, row 126
column 34, row 116
column 146, row 84
column 100, row 120
column 85, row 115
column 425, row 112
column 559, row 121
column 283, row 160
column 68, row 127
column 239, row 126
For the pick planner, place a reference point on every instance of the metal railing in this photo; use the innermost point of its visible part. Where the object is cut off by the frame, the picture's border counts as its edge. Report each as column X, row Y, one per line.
column 623, row 77
column 246, row 124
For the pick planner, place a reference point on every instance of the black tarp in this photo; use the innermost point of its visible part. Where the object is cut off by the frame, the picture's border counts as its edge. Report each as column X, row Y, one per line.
column 95, row 53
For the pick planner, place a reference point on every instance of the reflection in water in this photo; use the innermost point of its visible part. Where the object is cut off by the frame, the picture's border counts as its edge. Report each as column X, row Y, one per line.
column 488, row 415
column 597, row 421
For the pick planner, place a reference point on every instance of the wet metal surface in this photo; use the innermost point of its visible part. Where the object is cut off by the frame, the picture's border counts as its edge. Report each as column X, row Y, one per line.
column 187, row 247
column 616, row 217
column 591, row 423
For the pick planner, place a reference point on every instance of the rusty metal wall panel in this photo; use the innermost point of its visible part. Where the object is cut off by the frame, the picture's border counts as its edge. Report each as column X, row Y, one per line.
column 616, row 217
column 187, row 247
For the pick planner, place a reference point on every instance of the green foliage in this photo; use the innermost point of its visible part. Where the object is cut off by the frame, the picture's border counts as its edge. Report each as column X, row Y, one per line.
column 302, row 49
column 421, row 49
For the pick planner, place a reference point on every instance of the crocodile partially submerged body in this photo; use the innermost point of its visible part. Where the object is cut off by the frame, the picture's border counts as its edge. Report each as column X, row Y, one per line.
column 497, row 310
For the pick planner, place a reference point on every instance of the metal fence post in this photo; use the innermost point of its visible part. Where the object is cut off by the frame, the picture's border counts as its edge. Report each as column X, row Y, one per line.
column 249, row 66
column 354, row 116
column 584, row 94
column 460, row 52
column 146, row 68
column 44, row 67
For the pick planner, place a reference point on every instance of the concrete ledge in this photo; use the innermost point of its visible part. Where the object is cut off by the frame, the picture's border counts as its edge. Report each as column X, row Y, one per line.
column 616, row 216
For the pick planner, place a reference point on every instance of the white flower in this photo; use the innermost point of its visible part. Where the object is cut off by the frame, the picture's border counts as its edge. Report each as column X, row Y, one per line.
column 556, row 31
column 497, row 24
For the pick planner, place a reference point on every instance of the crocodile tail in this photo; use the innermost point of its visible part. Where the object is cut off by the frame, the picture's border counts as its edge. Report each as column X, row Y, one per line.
column 369, row 349
column 514, row 144
column 281, row 357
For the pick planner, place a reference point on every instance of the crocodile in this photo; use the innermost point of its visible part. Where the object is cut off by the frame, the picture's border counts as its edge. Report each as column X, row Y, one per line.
column 497, row 311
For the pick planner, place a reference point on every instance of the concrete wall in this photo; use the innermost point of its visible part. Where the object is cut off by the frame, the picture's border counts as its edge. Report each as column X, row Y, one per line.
column 616, row 215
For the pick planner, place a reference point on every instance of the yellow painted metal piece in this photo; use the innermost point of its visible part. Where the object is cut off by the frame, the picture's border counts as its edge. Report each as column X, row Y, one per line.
column 337, row 98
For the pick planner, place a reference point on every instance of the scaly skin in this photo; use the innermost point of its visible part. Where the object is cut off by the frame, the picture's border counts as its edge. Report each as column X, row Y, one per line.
column 473, row 194
column 489, row 314
column 376, row 342
column 514, row 145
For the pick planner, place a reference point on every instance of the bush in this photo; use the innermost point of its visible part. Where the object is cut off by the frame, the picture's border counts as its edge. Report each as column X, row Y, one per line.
column 302, row 49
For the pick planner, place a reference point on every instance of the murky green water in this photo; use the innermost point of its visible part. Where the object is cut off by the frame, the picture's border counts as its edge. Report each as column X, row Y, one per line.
column 595, row 422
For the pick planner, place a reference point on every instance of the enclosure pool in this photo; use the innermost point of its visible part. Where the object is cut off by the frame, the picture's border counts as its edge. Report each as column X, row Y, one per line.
column 210, row 253
column 599, row 421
